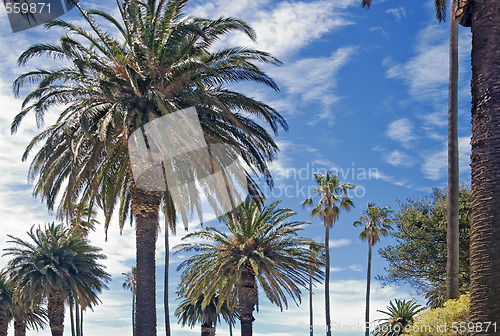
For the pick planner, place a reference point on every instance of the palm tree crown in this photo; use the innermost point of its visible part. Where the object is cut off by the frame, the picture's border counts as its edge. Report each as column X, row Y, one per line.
column 377, row 223
column 400, row 315
column 260, row 245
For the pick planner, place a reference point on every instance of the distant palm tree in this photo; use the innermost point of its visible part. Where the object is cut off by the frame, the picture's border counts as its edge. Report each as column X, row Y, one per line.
column 261, row 246
column 58, row 265
column 332, row 198
column 158, row 62
column 377, row 222
column 130, row 284
column 190, row 312
column 400, row 315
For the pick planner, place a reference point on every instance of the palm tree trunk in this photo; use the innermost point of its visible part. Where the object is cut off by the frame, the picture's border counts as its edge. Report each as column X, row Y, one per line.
column 77, row 319
column 485, row 163
column 55, row 312
column 207, row 329
column 4, row 322
column 327, row 281
column 368, row 281
column 133, row 314
column 230, row 329
column 165, row 284
column 81, row 321
column 20, row 328
column 311, row 331
column 145, row 206
column 452, row 239
column 72, row 319
column 247, row 298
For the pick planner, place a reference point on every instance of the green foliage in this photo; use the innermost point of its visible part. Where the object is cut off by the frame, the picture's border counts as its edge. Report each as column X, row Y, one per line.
column 452, row 319
column 377, row 223
column 262, row 241
column 190, row 312
column 56, row 260
column 419, row 258
column 400, row 317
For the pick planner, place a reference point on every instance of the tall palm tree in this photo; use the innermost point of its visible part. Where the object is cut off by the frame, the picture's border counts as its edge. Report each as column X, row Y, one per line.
column 190, row 312
column 377, row 222
column 60, row 266
column 452, row 268
column 262, row 246
column 400, row 315
column 332, row 198
column 483, row 16
column 161, row 62
column 130, row 284
column 316, row 253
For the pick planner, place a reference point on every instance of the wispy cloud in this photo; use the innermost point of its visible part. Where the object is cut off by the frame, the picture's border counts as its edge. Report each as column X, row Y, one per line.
column 340, row 242
column 399, row 159
column 401, row 130
column 435, row 163
column 398, row 13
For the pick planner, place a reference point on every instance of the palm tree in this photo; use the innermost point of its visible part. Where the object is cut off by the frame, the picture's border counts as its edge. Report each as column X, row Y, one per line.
column 377, row 223
column 60, row 266
column 483, row 16
column 316, row 253
column 400, row 316
column 261, row 246
column 130, row 284
column 332, row 199
column 452, row 269
column 190, row 312
column 5, row 304
column 161, row 62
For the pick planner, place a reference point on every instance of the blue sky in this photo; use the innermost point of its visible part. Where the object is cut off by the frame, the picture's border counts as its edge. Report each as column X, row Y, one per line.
column 365, row 95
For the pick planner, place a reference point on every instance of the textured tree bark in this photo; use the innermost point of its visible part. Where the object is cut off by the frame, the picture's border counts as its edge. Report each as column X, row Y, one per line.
column 327, row 281
column 485, row 163
column 145, row 206
column 20, row 328
column 247, row 298
column 368, row 281
column 55, row 312
column 165, row 285
column 452, row 235
column 207, row 329
column 4, row 323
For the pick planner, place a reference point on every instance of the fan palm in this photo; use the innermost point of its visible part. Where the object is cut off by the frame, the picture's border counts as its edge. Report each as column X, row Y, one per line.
column 377, row 223
column 60, row 266
column 5, row 304
column 332, row 198
column 261, row 246
column 160, row 62
column 131, row 284
column 190, row 312
column 400, row 316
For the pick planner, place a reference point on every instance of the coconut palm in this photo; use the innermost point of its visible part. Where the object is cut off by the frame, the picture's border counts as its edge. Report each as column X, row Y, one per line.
column 262, row 246
column 59, row 265
column 377, row 222
column 190, row 312
column 332, row 198
column 159, row 63
column 452, row 269
column 400, row 315
column 130, row 284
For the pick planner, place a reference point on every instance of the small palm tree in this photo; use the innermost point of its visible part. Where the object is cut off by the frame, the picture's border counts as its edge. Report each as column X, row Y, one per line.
column 130, row 284
column 332, row 198
column 261, row 246
column 190, row 312
column 400, row 315
column 58, row 265
column 377, row 223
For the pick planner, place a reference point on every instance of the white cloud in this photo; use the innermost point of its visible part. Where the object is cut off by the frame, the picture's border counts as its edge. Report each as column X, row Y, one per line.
column 401, row 130
column 314, row 80
column 398, row 159
column 334, row 243
column 398, row 13
column 356, row 268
